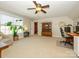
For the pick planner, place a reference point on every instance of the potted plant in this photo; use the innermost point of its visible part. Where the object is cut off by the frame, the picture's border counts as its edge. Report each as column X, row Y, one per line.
column 14, row 29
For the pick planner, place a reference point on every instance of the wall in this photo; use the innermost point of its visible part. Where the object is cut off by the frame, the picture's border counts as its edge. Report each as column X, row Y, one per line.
column 75, row 21
column 55, row 25
column 10, row 14
column 26, row 23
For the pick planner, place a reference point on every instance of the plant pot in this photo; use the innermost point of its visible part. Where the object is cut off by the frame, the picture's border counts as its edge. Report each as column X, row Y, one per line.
column 15, row 38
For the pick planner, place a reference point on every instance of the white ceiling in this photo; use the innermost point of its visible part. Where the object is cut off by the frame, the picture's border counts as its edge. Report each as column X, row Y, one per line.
column 56, row 9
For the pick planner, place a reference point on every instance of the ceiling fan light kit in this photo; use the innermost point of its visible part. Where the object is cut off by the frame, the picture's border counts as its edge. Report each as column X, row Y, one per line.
column 39, row 7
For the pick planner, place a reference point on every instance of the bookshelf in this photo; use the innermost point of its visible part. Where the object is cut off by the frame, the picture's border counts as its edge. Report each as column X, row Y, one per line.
column 47, row 29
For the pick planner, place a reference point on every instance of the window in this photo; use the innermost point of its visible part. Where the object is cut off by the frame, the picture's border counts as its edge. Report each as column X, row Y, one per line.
column 4, row 19
column 5, row 29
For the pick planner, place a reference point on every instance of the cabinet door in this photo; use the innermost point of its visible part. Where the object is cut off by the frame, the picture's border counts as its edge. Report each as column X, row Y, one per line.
column 47, row 29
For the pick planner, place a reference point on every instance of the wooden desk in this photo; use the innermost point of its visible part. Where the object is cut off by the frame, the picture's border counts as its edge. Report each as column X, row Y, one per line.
column 73, row 34
column 71, row 38
column 76, row 42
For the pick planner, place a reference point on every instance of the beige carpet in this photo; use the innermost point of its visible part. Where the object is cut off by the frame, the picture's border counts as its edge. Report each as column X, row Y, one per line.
column 36, row 46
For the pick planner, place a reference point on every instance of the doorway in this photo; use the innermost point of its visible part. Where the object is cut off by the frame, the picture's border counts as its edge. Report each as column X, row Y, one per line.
column 35, row 27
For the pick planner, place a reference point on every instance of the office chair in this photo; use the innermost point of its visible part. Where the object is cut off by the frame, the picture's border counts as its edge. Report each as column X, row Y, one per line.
column 68, row 38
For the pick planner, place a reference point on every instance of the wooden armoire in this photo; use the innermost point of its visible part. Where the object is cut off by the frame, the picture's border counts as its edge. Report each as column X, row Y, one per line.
column 47, row 29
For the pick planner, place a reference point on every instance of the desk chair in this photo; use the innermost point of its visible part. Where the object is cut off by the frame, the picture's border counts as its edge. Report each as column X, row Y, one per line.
column 68, row 38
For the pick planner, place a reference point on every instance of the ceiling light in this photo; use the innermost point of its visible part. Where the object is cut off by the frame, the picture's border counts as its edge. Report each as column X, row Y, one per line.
column 38, row 9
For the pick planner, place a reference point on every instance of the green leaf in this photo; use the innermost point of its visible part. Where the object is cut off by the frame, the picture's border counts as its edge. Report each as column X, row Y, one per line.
column 11, row 27
column 9, row 23
column 14, row 28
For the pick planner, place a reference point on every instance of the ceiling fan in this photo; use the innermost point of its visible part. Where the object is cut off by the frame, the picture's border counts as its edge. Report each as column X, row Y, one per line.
column 39, row 7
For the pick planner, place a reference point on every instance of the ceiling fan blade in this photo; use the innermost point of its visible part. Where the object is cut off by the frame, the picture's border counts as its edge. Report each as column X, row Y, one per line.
column 36, row 12
column 46, row 6
column 35, row 3
column 43, row 11
column 30, row 8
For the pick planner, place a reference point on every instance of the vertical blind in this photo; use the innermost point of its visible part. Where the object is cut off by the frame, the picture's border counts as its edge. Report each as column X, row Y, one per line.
column 4, row 19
